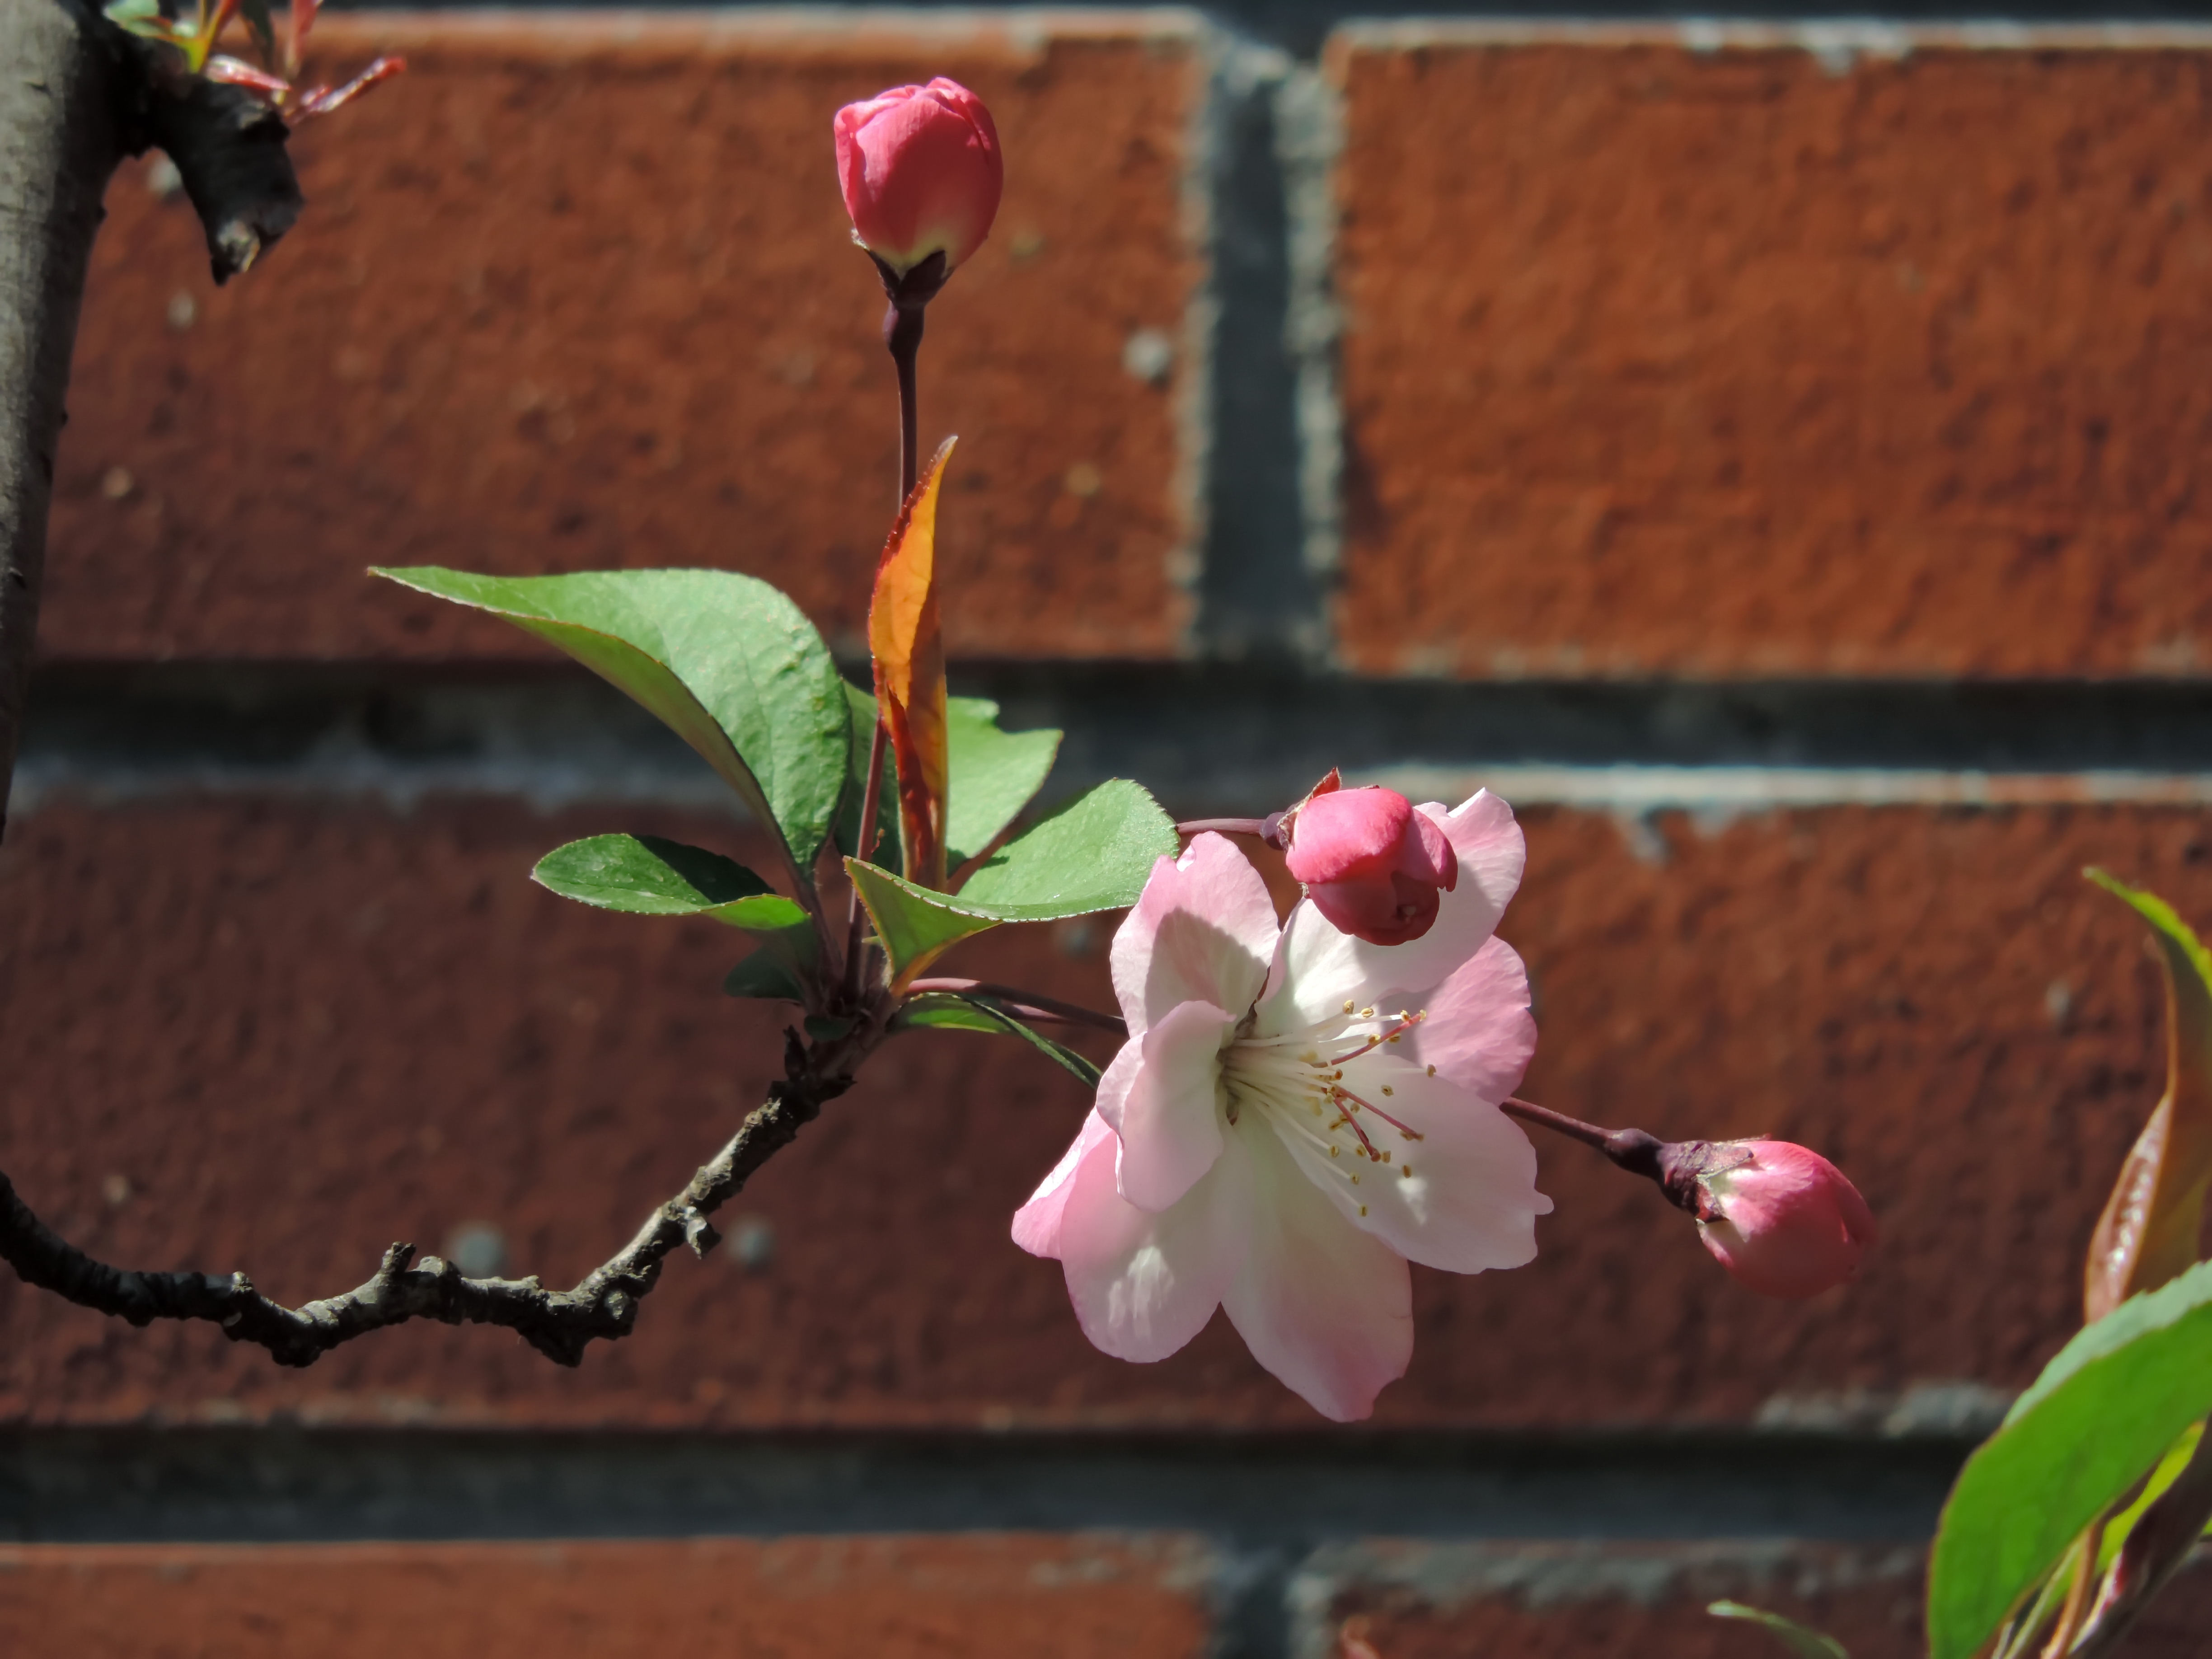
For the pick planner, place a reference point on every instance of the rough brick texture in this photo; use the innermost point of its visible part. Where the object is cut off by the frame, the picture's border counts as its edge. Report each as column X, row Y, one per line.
column 980, row 1597
column 1739, row 363
column 276, row 1035
column 581, row 294
column 1628, row 1601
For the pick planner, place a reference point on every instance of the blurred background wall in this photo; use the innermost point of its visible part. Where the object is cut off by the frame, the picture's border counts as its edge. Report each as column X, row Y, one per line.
column 1765, row 453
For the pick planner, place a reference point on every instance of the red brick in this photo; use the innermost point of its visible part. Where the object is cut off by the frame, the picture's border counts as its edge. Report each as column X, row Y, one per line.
column 576, row 293
column 895, row 1597
column 298, row 1031
column 1728, row 364
column 1625, row 1602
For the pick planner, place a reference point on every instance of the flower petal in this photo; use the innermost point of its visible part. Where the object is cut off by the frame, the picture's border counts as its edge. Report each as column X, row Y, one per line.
column 1167, row 1109
column 1317, row 968
column 1203, row 931
column 1479, row 1032
column 1470, row 1202
column 1037, row 1223
column 1144, row 1283
column 1327, row 1308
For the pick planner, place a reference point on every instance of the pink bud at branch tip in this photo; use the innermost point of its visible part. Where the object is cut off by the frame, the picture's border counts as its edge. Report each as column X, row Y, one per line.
column 1781, row 1219
column 1372, row 863
column 921, row 173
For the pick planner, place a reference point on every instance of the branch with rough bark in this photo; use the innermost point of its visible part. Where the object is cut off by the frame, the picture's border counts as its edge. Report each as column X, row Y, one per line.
column 79, row 95
column 559, row 1324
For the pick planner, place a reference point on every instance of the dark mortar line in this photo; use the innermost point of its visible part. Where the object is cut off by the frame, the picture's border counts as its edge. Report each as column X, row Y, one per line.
column 1257, row 1494
column 1204, row 736
column 1301, row 25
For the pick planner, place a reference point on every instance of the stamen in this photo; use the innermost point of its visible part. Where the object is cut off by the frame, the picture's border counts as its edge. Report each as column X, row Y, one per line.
column 1406, row 1171
column 1363, row 1209
column 1406, row 1023
column 1367, row 1145
column 1344, row 1094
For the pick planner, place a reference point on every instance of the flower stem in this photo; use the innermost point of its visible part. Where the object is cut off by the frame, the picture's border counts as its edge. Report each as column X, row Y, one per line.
column 1633, row 1150
column 1027, row 1004
column 902, row 321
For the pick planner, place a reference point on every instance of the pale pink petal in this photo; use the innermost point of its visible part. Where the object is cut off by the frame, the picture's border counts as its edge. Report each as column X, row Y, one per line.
column 1203, row 931
column 1470, row 1202
column 1144, row 1282
column 1317, row 968
column 1479, row 1032
column 1167, row 1111
column 1037, row 1223
column 1327, row 1308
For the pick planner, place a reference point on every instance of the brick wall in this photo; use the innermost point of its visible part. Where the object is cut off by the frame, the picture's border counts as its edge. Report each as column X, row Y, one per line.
column 1765, row 456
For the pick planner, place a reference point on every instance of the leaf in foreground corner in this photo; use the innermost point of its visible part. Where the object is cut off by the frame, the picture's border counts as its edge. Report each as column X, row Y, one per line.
column 1807, row 1644
column 906, row 639
column 2149, row 1229
column 2104, row 1412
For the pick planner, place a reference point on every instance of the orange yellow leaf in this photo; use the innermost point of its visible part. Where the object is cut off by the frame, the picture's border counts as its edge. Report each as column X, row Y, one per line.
column 906, row 638
column 2154, row 1221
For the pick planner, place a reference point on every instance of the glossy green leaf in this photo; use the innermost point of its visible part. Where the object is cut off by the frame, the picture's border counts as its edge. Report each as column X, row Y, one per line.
column 648, row 875
column 996, row 774
column 2103, row 1414
column 1094, row 853
column 943, row 1010
column 766, row 973
column 1807, row 1644
column 727, row 663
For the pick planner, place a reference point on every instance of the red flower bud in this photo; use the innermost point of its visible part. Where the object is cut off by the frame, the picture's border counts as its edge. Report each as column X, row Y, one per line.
column 1371, row 863
column 921, row 173
column 1782, row 1219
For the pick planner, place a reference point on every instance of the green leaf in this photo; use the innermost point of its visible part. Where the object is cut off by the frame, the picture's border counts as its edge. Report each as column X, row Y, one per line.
column 942, row 1011
column 2105, row 1411
column 1809, row 1644
column 1094, row 853
column 994, row 774
column 766, row 975
column 648, row 875
column 728, row 664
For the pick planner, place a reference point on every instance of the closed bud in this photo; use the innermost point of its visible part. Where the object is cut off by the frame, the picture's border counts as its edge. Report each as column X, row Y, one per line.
column 1371, row 861
column 1781, row 1219
column 921, row 173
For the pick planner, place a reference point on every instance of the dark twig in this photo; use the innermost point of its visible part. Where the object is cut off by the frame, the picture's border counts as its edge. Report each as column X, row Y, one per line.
column 229, row 150
column 559, row 1324
column 1023, row 1005
column 1675, row 1165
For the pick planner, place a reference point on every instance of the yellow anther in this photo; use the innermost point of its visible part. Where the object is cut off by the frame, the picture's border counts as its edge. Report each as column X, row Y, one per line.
column 1388, row 1089
column 1355, row 1178
column 1334, row 1151
column 1432, row 1070
column 1348, row 1005
column 1386, row 1157
column 1363, row 1209
column 1406, row 1171
column 1365, row 1013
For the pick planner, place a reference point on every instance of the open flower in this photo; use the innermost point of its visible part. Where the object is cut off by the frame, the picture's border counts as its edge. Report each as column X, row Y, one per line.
column 1297, row 1114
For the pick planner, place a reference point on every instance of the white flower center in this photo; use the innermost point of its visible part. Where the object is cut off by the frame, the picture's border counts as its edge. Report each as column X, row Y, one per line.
column 1327, row 1085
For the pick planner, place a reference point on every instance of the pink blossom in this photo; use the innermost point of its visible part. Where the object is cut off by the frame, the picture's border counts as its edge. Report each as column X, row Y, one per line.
column 1297, row 1114
column 1369, row 862
column 922, row 172
column 1786, row 1222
